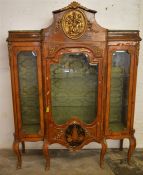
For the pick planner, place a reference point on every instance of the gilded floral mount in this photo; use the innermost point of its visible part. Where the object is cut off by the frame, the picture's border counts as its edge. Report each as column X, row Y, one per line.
column 74, row 24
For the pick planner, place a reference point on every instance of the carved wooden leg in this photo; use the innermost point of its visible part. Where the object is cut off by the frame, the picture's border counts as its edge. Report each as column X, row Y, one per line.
column 121, row 145
column 23, row 147
column 46, row 154
column 18, row 154
column 131, row 148
column 103, row 151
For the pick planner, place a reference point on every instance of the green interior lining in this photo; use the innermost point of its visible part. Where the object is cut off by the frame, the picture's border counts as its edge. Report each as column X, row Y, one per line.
column 119, row 91
column 29, row 97
column 74, row 89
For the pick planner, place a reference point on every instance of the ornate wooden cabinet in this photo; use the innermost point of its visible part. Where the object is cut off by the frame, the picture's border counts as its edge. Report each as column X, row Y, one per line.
column 73, row 83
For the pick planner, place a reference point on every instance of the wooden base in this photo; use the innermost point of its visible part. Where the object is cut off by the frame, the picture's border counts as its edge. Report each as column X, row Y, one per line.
column 47, row 156
column 16, row 149
column 18, row 153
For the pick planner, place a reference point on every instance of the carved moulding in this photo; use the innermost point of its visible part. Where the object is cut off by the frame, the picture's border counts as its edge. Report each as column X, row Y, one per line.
column 74, row 5
column 58, row 25
column 56, row 51
column 98, row 52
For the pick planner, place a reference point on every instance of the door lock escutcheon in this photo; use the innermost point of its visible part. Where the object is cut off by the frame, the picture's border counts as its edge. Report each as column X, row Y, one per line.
column 47, row 109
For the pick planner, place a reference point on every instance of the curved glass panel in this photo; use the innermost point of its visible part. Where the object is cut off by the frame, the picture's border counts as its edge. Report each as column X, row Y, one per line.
column 120, row 73
column 74, row 84
column 29, row 98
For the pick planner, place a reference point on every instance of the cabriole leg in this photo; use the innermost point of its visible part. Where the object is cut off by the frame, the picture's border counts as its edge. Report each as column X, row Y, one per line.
column 18, row 154
column 46, row 154
column 103, row 151
column 132, row 147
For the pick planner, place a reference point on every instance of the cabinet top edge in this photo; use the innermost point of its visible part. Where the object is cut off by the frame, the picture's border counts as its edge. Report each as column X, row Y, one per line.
column 23, row 31
column 123, row 30
column 123, row 35
column 112, row 35
column 38, row 31
column 24, row 35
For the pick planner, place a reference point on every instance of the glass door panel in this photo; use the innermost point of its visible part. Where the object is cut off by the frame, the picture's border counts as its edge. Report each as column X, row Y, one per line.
column 74, row 85
column 28, row 90
column 120, row 75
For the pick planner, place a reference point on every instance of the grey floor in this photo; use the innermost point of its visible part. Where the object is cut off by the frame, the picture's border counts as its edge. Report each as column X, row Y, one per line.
column 85, row 162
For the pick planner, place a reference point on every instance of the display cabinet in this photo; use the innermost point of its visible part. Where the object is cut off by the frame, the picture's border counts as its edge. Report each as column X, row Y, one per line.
column 27, row 89
column 73, row 83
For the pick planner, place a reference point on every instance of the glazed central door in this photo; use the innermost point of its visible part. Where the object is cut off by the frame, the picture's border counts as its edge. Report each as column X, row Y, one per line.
column 74, row 88
column 73, row 96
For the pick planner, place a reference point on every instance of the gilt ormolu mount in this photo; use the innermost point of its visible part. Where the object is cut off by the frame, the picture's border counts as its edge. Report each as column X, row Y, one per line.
column 73, row 83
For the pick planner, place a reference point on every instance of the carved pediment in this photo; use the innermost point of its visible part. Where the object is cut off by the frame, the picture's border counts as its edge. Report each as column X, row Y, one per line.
column 74, row 22
column 74, row 5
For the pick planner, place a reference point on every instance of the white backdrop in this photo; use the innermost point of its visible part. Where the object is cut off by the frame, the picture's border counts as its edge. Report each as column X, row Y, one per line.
column 37, row 14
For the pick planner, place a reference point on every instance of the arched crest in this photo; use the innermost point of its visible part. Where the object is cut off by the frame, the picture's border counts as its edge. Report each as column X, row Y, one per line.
column 74, row 23
column 74, row 5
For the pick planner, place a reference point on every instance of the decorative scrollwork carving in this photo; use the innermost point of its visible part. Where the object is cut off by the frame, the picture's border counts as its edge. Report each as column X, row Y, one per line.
column 58, row 25
column 74, row 24
column 89, row 24
column 53, row 49
column 74, row 5
column 59, row 135
column 98, row 52
column 75, row 135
